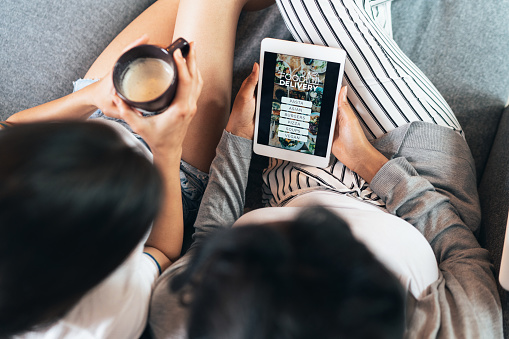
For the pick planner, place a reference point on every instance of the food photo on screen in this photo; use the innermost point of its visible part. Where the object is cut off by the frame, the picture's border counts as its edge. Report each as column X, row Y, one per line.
column 297, row 101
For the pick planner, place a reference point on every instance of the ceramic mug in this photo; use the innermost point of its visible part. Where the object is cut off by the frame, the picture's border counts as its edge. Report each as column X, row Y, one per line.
column 146, row 76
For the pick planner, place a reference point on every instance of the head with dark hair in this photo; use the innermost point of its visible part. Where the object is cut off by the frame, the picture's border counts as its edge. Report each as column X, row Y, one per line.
column 75, row 200
column 307, row 278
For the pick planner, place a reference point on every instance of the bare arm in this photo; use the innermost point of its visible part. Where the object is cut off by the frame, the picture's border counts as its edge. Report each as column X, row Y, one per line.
column 78, row 105
column 165, row 133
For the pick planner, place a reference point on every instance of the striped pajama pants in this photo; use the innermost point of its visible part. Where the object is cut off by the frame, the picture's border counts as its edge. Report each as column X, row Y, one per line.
column 385, row 89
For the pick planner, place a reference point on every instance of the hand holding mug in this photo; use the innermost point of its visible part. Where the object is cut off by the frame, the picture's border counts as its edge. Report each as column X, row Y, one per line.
column 165, row 132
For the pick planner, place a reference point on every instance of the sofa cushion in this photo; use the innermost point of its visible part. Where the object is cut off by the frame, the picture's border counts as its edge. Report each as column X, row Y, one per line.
column 493, row 193
column 463, row 47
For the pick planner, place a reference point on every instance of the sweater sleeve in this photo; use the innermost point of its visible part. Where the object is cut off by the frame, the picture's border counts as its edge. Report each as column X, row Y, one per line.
column 224, row 198
column 464, row 302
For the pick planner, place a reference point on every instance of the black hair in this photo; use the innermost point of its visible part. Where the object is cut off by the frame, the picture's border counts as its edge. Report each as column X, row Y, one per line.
column 75, row 200
column 306, row 278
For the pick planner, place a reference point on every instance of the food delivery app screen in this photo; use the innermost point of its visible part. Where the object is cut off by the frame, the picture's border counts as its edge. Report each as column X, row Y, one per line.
column 297, row 100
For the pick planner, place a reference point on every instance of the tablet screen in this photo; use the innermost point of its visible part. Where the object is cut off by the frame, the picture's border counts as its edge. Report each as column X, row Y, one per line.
column 297, row 102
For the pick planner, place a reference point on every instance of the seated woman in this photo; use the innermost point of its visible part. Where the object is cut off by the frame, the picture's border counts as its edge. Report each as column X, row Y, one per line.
column 79, row 255
column 408, row 197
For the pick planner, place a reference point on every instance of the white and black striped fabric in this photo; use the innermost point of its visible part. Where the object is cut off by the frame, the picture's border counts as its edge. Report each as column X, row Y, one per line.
column 385, row 89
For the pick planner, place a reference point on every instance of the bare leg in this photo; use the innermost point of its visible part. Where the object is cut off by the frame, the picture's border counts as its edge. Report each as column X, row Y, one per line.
column 157, row 22
column 212, row 24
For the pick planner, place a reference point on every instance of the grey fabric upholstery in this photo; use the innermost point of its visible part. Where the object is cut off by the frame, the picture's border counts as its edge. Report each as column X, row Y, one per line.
column 462, row 46
column 494, row 193
column 47, row 44
column 494, row 190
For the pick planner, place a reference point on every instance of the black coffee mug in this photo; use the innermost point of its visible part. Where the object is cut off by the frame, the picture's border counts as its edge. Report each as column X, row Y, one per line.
column 162, row 70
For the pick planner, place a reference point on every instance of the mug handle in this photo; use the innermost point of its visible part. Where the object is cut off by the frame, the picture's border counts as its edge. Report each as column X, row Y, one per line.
column 179, row 43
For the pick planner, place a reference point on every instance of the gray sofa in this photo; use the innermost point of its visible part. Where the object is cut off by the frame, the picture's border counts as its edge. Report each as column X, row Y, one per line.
column 462, row 46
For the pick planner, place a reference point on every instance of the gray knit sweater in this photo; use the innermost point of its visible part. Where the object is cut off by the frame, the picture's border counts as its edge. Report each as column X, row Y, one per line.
column 429, row 182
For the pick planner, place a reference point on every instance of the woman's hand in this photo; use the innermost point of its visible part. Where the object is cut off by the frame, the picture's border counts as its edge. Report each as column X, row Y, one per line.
column 350, row 145
column 165, row 132
column 241, row 122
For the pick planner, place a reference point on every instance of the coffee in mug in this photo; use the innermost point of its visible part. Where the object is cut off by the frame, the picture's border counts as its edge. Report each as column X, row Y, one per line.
column 146, row 78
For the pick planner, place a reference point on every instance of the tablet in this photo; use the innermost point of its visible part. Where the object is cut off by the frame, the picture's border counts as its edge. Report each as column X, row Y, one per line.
column 297, row 101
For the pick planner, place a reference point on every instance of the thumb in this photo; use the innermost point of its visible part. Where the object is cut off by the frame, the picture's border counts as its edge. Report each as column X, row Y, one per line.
column 342, row 97
column 342, row 104
column 248, row 86
column 344, row 109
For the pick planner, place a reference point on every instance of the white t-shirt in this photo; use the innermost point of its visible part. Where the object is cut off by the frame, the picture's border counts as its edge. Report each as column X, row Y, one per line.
column 393, row 241
column 118, row 306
